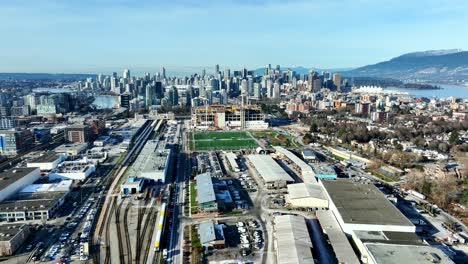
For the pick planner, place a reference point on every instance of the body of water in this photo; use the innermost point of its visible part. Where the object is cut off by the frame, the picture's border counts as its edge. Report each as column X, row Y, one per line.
column 446, row 91
column 105, row 101
column 52, row 90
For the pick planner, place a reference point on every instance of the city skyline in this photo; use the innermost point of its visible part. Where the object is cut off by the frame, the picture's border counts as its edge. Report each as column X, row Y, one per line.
column 105, row 36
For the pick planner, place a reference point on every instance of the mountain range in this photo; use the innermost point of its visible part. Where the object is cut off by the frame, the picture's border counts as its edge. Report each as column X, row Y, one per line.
column 429, row 66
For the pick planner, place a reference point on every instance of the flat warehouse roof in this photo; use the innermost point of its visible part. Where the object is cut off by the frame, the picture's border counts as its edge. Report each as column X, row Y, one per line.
column 47, row 157
column 344, row 252
column 205, row 191
column 10, row 176
column 294, row 245
column 389, row 254
column 269, row 169
column 360, row 203
column 305, row 190
column 295, row 159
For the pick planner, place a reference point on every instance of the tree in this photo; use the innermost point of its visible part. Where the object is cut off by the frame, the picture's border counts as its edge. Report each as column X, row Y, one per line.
column 313, row 128
column 464, row 198
column 443, row 147
column 454, row 137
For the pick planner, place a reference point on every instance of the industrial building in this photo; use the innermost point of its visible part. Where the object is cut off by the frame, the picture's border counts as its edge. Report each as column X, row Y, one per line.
column 152, row 162
column 306, row 195
column 131, row 185
column 342, row 249
column 211, row 234
column 323, row 171
column 292, row 240
column 228, row 117
column 12, row 237
column 77, row 170
column 47, row 162
column 306, row 173
column 206, row 197
column 360, row 206
column 396, row 247
column 270, row 171
column 14, row 180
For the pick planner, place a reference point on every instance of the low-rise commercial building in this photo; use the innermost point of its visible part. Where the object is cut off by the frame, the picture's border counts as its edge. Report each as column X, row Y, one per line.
column 211, row 234
column 12, row 181
column 360, row 206
column 12, row 237
column 292, row 240
column 31, row 206
column 270, row 171
column 206, row 197
column 306, row 195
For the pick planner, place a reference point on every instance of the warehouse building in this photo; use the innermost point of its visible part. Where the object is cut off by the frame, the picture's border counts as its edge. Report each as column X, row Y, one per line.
column 12, row 237
column 206, row 197
column 47, row 162
column 306, row 195
column 396, row 247
column 342, row 249
column 304, row 169
column 152, row 163
column 360, row 206
column 292, row 240
column 323, row 171
column 13, row 180
column 270, row 171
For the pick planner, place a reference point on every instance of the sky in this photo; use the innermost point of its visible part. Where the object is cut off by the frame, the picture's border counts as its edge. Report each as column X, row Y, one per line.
column 92, row 36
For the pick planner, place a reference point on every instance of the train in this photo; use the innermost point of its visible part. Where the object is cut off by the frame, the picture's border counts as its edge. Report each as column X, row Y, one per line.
column 160, row 227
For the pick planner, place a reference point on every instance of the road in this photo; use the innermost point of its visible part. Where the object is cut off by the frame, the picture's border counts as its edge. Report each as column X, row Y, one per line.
column 175, row 248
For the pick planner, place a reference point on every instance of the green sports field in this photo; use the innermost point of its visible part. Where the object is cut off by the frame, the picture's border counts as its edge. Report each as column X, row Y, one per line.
column 221, row 141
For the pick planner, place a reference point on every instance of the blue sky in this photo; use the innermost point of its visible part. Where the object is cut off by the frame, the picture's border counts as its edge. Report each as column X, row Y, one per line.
column 107, row 35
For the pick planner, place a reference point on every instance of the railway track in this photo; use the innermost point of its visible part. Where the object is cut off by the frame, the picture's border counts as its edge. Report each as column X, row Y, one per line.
column 112, row 208
column 127, row 234
column 151, row 223
column 141, row 214
column 119, row 232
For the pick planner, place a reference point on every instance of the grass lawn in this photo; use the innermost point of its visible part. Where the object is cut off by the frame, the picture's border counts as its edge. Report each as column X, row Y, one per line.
column 222, row 140
column 193, row 195
column 273, row 137
column 383, row 176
